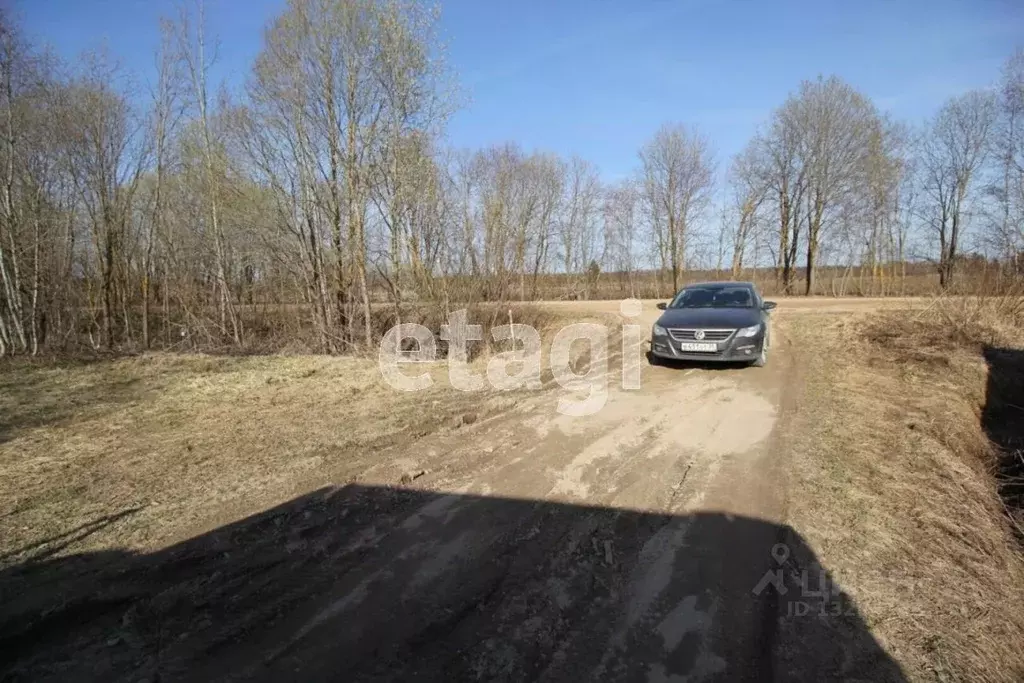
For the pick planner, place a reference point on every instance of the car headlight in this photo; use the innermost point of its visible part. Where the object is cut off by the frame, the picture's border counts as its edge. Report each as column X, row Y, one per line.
column 748, row 331
column 658, row 330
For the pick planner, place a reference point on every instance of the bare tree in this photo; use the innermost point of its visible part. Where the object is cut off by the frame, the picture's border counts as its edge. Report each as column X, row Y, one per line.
column 355, row 84
column 193, row 51
column 105, row 158
column 621, row 233
column 776, row 157
column 749, row 190
column 165, row 114
column 874, row 204
column 1006, row 220
column 13, row 64
column 836, row 124
column 515, row 202
column 36, row 233
column 907, row 199
column 953, row 152
column 677, row 171
column 577, row 227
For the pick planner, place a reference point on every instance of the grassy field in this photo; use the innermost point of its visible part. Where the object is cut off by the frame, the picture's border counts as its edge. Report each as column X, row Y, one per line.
column 140, row 452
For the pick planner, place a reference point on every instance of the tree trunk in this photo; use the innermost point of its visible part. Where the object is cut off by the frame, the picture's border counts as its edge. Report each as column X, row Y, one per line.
column 812, row 248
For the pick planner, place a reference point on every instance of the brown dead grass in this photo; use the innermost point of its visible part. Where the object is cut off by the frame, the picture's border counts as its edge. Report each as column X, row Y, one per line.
column 896, row 489
column 181, row 443
column 140, row 452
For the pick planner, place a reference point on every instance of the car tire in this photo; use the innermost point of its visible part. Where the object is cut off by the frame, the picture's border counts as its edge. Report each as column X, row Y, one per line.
column 653, row 360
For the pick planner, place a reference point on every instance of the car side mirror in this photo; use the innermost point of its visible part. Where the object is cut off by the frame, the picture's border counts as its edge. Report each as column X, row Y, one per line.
column 768, row 305
column 662, row 305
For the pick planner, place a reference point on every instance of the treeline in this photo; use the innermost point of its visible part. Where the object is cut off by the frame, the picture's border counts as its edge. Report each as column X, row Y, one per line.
column 320, row 203
column 832, row 176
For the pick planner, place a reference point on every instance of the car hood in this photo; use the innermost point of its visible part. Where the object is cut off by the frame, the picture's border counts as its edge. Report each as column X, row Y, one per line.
column 725, row 318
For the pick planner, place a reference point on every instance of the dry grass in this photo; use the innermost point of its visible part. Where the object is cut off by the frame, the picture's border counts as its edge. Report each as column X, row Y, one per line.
column 179, row 443
column 140, row 452
column 896, row 489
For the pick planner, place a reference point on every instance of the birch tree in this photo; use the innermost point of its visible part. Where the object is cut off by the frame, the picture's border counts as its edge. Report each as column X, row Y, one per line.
column 193, row 50
column 13, row 67
column 165, row 113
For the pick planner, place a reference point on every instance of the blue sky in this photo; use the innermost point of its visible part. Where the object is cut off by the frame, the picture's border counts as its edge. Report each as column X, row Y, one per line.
column 597, row 77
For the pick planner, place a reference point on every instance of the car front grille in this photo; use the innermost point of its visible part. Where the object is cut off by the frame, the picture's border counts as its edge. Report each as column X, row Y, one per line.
column 688, row 335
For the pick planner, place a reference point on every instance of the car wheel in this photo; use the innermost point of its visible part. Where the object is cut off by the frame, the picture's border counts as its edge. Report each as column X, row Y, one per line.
column 653, row 360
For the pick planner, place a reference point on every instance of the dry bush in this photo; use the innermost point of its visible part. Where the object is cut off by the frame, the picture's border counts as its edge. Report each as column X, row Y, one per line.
column 290, row 329
column 948, row 323
column 978, row 316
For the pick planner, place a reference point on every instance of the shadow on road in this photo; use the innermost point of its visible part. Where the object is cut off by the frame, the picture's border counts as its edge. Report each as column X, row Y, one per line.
column 378, row 583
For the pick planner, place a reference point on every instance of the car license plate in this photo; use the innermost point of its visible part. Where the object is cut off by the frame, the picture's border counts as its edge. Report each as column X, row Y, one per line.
column 694, row 346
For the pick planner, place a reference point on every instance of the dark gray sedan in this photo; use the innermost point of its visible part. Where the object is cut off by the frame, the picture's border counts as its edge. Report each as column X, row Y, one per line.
column 714, row 321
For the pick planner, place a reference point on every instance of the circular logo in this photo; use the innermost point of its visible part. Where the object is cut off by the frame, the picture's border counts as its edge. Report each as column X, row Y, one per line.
column 699, row 334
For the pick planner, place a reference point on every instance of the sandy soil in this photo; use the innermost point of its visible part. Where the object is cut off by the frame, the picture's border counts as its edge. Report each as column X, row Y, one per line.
column 516, row 544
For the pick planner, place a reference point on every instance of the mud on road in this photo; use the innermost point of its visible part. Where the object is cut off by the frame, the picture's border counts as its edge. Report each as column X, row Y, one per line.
column 628, row 545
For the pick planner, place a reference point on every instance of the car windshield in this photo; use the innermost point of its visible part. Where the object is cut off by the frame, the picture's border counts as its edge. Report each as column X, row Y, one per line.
column 714, row 297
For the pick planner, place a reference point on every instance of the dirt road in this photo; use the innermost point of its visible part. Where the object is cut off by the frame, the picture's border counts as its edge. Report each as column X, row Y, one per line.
column 631, row 544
